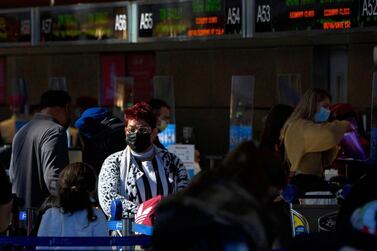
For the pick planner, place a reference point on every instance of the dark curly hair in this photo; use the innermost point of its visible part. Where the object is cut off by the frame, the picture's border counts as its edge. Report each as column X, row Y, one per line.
column 141, row 111
column 76, row 182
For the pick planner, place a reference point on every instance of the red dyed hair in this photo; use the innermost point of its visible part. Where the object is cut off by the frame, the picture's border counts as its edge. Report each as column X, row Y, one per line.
column 141, row 111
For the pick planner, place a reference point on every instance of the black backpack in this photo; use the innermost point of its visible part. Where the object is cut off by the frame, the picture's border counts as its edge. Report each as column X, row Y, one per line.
column 110, row 138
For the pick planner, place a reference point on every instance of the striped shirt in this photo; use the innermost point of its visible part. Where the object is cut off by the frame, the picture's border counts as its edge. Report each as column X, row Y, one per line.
column 132, row 180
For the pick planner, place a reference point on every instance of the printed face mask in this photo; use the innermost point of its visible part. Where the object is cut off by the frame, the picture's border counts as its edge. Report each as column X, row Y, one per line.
column 322, row 115
column 139, row 142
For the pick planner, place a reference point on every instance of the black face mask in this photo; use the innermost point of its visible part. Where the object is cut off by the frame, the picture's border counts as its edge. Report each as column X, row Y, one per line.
column 139, row 142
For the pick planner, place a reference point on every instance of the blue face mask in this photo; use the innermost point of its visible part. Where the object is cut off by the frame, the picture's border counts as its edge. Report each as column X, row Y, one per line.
column 322, row 116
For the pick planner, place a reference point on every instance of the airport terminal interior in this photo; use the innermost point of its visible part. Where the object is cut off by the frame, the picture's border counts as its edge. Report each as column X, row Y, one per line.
column 221, row 67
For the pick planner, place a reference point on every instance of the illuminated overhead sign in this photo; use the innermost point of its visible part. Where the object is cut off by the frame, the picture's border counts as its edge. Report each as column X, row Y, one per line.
column 192, row 18
column 368, row 13
column 91, row 22
column 15, row 27
column 299, row 15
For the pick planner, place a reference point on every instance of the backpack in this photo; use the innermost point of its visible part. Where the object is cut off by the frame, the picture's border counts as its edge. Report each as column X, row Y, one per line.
column 110, row 138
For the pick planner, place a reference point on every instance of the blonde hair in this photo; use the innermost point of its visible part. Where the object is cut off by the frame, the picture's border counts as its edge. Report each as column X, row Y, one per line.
column 306, row 108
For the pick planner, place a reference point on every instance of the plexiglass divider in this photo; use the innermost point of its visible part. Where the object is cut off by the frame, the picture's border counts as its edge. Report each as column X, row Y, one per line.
column 241, row 110
column 164, row 90
column 123, row 95
column 373, row 129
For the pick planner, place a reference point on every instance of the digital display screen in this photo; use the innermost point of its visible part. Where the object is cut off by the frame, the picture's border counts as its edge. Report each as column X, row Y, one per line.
column 368, row 13
column 301, row 15
column 15, row 27
column 195, row 18
column 85, row 23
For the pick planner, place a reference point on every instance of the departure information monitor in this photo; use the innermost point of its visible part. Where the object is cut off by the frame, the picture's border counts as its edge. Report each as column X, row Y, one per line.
column 15, row 27
column 83, row 22
column 301, row 15
column 192, row 18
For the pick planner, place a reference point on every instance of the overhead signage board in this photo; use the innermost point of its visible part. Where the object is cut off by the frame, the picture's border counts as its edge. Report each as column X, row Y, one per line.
column 188, row 19
column 304, row 15
column 84, row 23
column 15, row 26
column 368, row 13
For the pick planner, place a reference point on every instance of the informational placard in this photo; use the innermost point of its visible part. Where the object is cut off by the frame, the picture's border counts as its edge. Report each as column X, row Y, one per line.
column 304, row 15
column 191, row 18
column 84, row 23
column 15, row 26
column 186, row 153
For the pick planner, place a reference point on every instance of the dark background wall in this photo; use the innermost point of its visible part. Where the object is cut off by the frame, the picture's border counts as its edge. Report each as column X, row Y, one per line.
column 202, row 73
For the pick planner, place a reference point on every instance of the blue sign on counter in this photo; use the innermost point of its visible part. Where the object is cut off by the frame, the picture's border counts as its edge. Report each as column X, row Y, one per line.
column 167, row 136
column 238, row 134
column 22, row 216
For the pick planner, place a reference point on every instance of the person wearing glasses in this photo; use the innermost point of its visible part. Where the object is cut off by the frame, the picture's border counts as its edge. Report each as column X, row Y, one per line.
column 141, row 171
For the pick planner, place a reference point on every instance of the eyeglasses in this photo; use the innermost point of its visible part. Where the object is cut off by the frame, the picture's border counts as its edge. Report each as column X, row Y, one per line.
column 142, row 130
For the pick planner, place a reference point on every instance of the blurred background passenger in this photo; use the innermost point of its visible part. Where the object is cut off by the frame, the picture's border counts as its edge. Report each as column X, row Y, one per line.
column 225, row 207
column 39, row 150
column 162, row 112
column 311, row 142
column 274, row 122
column 102, row 134
column 8, row 126
column 6, row 201
column 74, row 214
column 141, row 171
column 270, row 141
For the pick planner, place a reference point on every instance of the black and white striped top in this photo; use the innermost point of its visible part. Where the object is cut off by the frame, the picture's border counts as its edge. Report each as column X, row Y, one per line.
column 133, row 181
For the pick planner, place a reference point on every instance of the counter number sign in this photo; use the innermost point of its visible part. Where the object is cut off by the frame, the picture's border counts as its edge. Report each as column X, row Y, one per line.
column 146, row 22
column 120, row 22
column 233, row 17
column 264, row 13
column 369, row 8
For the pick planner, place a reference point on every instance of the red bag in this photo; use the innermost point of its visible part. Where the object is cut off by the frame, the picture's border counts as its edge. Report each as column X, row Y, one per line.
column 145, row 212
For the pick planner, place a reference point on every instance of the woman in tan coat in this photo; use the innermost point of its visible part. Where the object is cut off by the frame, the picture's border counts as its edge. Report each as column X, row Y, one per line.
column 311, row 142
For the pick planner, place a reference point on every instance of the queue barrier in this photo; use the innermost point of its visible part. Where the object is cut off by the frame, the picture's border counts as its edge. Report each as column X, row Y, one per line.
column 31, row 241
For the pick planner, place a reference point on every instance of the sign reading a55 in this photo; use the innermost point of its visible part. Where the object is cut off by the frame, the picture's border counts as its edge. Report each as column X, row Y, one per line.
column 146, row 21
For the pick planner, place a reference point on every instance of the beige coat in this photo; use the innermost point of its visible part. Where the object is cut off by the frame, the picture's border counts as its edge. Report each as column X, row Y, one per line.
column 312, row 146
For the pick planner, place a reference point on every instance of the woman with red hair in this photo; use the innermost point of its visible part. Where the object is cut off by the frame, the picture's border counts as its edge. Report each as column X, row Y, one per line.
column 142, row 170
